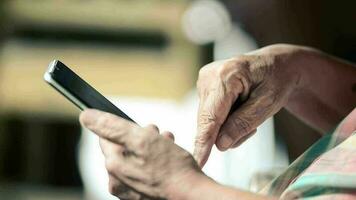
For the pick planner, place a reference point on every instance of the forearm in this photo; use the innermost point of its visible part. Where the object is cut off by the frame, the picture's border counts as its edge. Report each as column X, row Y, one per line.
column 202, row 187
column 215, row 191
column 326, row 91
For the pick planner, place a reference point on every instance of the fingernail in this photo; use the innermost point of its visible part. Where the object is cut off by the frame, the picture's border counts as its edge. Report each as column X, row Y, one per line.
column 224, row 142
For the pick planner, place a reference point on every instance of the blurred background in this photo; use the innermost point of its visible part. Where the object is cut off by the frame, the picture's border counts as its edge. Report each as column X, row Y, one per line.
column 146, row 54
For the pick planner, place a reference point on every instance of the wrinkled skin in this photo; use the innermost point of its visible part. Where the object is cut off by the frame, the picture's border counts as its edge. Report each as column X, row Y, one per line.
column 142, row 164
column 257, row 80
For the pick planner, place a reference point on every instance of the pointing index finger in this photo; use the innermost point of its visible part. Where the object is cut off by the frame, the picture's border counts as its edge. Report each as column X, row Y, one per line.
column 213, row 111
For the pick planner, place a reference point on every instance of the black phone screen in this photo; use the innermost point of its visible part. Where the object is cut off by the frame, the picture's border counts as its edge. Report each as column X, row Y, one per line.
column 82, row 91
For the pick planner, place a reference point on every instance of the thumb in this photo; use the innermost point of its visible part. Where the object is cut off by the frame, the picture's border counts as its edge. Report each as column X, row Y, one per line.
column 246, row 119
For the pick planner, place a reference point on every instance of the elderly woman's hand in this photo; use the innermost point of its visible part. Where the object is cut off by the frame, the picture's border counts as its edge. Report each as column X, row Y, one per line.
column 142, row 164
column 260, row 81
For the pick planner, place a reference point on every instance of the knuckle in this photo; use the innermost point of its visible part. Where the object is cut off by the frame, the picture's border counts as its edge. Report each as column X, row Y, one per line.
column 168, row 134
column 241, row 61
column 113, row 188
column 202, row 139
column 140, row 143
column 207, row 119
column 118, row 150
column 205, row 74
column 120, row 190
column 224, row 70
column 208, row 122
column 111, row 166
column 231, row 75
column 104, row 121
column 238, row 67
column 152, row 128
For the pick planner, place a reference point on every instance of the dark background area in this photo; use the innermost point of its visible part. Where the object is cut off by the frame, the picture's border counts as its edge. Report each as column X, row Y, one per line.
column 327, row 25
column 45, row 151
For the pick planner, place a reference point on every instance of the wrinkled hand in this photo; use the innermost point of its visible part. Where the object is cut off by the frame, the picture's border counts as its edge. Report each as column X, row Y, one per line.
column 142, row 164
column 261, row 81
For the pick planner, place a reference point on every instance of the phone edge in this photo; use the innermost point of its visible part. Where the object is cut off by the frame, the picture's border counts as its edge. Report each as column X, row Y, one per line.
column 48, row 78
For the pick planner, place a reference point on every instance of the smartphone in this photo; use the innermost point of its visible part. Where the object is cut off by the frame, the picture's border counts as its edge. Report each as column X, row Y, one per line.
column 79, row 92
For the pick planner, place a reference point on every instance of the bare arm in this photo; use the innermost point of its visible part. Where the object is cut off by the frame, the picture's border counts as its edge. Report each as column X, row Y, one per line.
column 202, row 187
column 317, row 88
column 326, row 91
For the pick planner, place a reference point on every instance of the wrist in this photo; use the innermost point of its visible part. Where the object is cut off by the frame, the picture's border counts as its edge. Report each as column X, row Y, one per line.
column 300, row 63
column 292, row 62
column 189, row 186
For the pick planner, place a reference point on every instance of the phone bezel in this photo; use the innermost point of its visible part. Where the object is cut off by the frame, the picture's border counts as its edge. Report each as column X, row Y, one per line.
column 48, row 78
